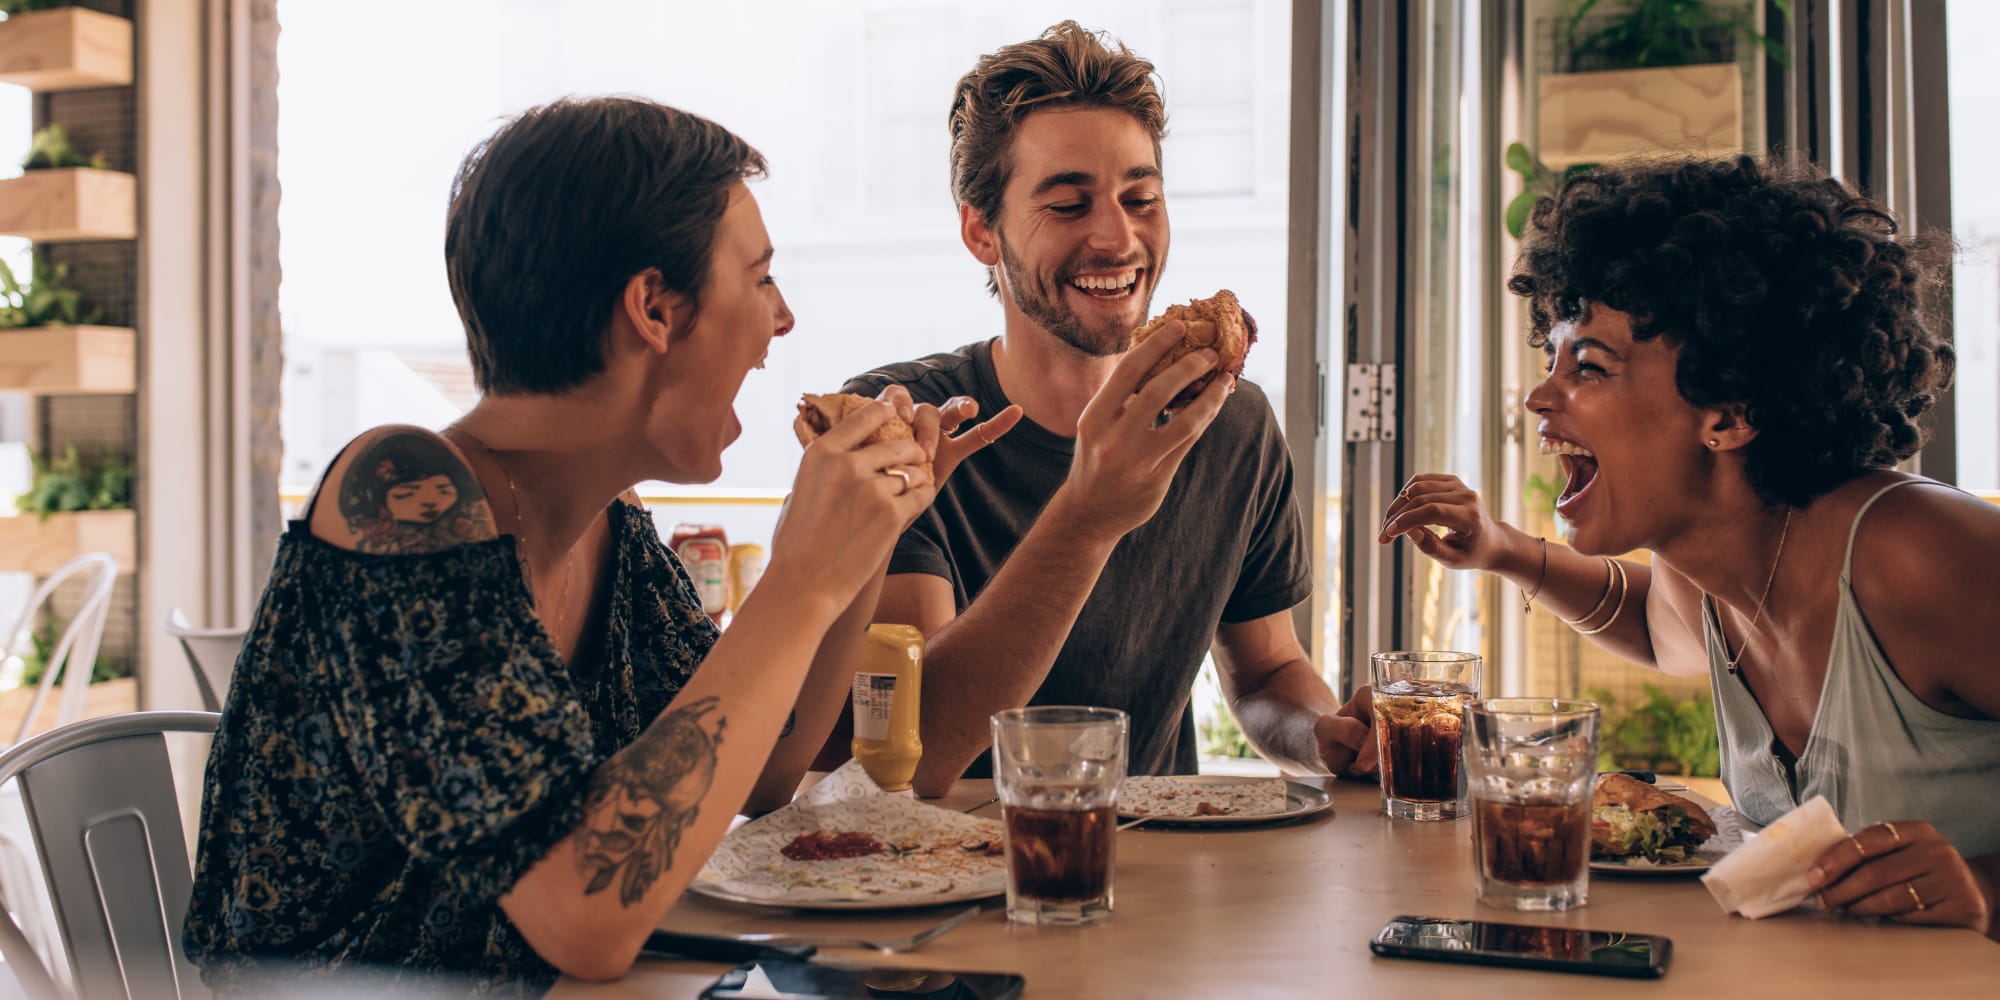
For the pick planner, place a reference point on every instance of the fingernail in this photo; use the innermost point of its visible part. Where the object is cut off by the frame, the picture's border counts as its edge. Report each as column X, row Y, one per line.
column 1210, row 356
column 1816, row 877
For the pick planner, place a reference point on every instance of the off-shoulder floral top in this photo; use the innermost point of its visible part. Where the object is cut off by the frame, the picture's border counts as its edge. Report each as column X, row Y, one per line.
column 401, row 742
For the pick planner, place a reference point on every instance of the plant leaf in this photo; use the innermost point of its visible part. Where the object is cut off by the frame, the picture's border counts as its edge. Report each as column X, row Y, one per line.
column 1520, row 161
column 1518, row 211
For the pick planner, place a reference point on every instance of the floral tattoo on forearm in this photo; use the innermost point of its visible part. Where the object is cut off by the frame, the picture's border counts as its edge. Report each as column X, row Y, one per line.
column 643, row 799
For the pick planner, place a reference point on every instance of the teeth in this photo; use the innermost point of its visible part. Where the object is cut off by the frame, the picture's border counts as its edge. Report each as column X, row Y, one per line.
column 1552, row 446
column 1105, row 282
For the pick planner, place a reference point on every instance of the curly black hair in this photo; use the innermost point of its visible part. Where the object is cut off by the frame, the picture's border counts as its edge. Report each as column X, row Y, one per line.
column 1786, row 290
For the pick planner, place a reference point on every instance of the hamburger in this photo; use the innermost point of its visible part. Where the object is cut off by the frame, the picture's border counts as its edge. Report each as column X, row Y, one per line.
column 818, row 414
column 1632, row 819
column 1217, row 322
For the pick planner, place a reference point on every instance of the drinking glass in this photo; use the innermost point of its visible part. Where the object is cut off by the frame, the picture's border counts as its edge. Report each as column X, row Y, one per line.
column 1420, row 700
column 1057, row 769
column 1533, row 764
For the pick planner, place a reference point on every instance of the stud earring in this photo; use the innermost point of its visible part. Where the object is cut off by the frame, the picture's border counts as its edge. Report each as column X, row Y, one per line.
column 1714, row 443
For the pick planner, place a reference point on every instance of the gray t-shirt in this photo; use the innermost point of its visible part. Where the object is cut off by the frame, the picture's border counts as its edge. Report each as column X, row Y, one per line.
column 1227, row 545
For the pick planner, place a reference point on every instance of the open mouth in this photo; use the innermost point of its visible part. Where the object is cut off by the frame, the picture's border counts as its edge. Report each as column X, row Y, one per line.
column 1579, row 470
column 1110, row 287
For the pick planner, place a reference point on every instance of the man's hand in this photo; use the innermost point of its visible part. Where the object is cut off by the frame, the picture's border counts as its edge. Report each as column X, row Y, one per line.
column 1125, row 457
column 1347, row 738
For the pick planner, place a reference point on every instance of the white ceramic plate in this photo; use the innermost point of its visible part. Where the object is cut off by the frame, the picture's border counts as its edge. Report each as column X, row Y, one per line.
column 1300, row 800
column 928, row 867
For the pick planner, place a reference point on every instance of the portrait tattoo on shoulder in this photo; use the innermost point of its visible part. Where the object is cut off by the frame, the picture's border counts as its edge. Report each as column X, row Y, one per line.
column 408, row 492
column 643, row 799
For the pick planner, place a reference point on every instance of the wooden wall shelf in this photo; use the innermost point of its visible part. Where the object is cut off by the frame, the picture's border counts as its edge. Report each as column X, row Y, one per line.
column 70, row 205
column 1594, row 117
column 69, row 48
column 29, row 544
column 64, row 360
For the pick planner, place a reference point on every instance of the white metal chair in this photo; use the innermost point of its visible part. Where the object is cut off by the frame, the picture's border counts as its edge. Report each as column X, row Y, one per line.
column 75, row 651
column 211, row 653
column 107, row 828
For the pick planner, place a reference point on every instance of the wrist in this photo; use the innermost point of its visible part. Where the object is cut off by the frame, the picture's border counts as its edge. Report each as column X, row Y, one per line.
column 1521, row 557
column 804, row 603
column 1083, row 522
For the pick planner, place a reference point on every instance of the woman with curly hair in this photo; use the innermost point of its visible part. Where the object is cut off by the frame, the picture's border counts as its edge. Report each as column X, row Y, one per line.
column 1738, row 352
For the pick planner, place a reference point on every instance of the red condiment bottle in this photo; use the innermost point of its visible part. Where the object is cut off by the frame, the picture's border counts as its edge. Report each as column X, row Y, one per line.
column 703, row 550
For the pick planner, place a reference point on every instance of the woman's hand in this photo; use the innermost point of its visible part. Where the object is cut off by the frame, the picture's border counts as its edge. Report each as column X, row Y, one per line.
column 935, row 425
column 1905, row 871
column 1471, row 540
column 849, row 503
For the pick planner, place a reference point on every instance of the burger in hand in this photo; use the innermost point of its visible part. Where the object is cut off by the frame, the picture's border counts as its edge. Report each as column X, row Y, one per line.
column 1632, row 819
column 1218, row 323
column 818, row 414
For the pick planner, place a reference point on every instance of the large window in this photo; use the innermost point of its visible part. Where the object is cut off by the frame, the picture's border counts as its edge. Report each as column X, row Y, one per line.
column 1975, row 213
column 847, row 100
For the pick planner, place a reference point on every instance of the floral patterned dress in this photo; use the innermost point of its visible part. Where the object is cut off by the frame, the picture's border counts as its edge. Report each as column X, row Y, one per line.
column 401, row 742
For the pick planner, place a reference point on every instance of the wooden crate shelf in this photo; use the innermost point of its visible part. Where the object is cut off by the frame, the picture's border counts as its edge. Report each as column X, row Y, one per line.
column 1594, row 117
column 70, row 205
column 63, row 360
column 29, row 544
column 65, row 49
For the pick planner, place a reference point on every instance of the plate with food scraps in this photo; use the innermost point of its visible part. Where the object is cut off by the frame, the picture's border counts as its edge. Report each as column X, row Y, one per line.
column 1217, row 800
column 874, row 853
column 1728, row 837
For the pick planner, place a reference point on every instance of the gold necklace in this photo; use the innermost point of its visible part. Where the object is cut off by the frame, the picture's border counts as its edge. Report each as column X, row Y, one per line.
column 569, row 561
column 1751, row 632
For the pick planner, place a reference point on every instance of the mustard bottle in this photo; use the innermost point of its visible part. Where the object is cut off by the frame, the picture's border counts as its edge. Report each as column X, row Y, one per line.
column 887, row 692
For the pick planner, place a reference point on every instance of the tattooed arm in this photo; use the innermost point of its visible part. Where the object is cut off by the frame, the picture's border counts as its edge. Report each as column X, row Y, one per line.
column 656, row 810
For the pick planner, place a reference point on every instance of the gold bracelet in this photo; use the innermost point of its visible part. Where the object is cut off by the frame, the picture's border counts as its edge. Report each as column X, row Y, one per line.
column 1624, row 587
column 1528, row 599
column 1610, row 582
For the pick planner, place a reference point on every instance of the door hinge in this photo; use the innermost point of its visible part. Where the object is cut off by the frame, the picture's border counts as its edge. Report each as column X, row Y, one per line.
column 1371, row 403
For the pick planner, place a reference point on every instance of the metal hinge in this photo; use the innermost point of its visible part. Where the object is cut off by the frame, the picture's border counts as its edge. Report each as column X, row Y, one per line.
column 1371, row 403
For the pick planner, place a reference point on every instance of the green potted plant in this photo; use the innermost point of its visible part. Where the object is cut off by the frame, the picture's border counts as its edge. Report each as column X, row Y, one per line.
column 1643, row 76
column 73, row 505
column 50, row 149
column 48, row 343
column 1665, row 734
column 64, row 195
column 48, row 300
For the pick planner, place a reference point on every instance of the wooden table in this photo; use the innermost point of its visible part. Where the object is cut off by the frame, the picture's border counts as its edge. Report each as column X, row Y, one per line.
column 1288, row 910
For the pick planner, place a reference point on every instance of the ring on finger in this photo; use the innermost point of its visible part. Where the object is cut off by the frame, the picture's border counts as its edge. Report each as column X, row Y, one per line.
column 1858, row 849
column 1915, row 897
column 980, row 429
column 899, row 474
column 1895, row 839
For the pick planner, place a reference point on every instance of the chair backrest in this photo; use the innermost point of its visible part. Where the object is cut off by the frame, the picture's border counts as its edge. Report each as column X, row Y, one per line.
column 101, row 807
column 75, row 651
column 211, row 654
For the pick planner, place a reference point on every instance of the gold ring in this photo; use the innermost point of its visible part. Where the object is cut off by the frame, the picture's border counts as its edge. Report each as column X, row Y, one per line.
column 899, row 474
column 1914, row 898
column 980, row 429
column 1895, row 839
column 1858, row 849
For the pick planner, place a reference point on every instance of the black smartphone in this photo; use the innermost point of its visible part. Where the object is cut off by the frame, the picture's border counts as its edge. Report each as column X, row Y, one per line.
column 786, row 979
column 1553, row 949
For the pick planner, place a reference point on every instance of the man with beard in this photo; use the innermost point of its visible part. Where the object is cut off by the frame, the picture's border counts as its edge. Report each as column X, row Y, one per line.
column 1096, row 552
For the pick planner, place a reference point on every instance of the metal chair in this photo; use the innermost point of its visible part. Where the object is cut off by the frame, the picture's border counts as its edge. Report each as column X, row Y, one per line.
column 211, row 653
column 107, row 827
column 75, row 652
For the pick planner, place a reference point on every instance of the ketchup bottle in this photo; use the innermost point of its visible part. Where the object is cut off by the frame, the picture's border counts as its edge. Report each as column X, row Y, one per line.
column 703, row 550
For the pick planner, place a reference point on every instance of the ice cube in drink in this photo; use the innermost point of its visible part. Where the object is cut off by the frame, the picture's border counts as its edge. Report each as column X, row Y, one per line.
column 1420, row 727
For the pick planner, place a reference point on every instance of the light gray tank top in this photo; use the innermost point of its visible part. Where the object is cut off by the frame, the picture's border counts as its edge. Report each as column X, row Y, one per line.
column 1875, row 750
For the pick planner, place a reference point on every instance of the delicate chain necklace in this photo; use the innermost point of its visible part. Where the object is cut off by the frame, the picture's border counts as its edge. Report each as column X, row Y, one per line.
column 1751, row 632
column 569, row 561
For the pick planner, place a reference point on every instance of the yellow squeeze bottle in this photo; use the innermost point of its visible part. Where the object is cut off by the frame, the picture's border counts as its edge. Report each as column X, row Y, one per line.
column 887, row 692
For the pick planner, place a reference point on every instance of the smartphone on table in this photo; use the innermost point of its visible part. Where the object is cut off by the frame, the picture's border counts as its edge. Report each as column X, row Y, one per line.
column 1551, row 949
column 788, row 979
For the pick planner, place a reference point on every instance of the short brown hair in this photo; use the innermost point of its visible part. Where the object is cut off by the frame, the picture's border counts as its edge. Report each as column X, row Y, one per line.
column 552, row 215
column 1067, row 67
